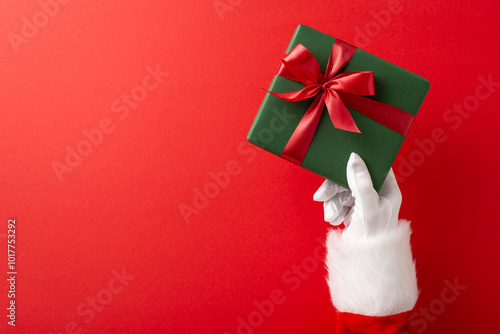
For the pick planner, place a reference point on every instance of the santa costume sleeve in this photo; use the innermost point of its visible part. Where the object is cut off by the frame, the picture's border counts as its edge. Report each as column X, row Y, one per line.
column 372, row 281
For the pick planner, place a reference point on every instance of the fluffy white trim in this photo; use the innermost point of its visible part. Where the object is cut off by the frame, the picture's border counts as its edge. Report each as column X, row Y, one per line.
column 374, row 276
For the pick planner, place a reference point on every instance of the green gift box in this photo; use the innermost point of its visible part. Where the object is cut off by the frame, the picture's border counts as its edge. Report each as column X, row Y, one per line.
column 400, row 92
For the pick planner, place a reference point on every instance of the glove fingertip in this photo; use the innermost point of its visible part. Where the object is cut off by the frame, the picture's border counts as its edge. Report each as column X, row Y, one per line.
column 319, row 196
column 326, row 191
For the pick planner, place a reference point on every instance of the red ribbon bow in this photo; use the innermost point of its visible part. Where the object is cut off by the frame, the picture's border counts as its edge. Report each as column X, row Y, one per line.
column 336, row 91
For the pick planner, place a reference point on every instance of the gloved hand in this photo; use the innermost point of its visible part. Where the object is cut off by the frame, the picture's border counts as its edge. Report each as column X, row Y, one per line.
column 364, row 212
column 371, row 271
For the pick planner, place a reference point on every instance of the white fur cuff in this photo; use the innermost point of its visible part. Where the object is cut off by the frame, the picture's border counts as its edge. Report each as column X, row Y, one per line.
column 373, row 276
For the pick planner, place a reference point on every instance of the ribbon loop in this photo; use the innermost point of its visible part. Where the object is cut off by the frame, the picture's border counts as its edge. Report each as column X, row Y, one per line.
column 300, row 65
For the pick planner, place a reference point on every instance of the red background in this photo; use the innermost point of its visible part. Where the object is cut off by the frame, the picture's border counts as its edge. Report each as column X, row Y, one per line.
column 120, row 207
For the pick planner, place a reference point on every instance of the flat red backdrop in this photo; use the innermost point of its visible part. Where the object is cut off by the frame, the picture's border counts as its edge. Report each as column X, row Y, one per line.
column 118, row 239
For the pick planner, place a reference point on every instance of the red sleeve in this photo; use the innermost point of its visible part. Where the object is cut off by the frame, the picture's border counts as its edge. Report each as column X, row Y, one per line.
column 349, row 323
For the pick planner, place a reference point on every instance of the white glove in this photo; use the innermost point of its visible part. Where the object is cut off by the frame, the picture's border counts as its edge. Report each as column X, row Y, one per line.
column 364, row 212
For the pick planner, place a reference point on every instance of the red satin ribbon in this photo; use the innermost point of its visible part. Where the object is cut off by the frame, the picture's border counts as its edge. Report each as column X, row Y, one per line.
column 336, row 91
